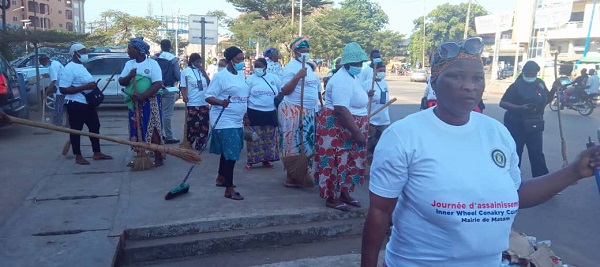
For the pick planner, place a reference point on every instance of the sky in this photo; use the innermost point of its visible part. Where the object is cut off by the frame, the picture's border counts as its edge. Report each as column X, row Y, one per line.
column 398, row 21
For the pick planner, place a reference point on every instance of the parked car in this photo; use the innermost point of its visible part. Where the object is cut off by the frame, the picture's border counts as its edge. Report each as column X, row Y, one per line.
column 419, row 75
column 102, row 67
column 13, row 99
column 506, row 72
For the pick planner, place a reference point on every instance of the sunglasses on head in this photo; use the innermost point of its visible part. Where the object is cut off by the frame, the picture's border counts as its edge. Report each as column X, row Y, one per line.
column 472, row 46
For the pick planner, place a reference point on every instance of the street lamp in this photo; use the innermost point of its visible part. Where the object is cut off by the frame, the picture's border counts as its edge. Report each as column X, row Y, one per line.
column 21, row 7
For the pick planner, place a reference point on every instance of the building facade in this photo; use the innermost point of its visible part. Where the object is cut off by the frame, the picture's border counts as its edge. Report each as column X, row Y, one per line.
column 66, row 15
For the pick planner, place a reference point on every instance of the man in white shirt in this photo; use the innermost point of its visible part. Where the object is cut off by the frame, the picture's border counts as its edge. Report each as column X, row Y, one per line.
column 213, row 68
column 169, row 65
column 55, row 70
column 593, row 83
column 367, row 72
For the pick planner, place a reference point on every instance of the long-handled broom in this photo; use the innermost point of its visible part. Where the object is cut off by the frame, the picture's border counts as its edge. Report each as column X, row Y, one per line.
column 185, row 144
column 141, row 161
column 367, row 164
column 183, row 187
column 67, row 144
column 184, row 154
column 297, row 165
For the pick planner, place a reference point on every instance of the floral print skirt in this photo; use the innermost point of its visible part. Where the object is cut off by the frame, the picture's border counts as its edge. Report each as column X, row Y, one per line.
column 289, row 124
column 150, row 117
column 197, row 126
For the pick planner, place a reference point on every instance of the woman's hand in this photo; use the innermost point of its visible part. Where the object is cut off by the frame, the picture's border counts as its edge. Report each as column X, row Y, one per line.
column 89, row 86
column 132, row 72
column 185, row 99
column 225, row 103
column 371, row 93
column 583, row 166
column 301, row 73
column 138, row 97
column 359, row 138
column 527, row 107
column 246, row 121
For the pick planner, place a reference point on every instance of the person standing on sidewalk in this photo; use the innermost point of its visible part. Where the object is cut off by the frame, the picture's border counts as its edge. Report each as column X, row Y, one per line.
column 55, row 70
column 169, row 65
column 194, row 81
column 74, row 83
column 228, row 93
column 380, row 121
column 366, row 74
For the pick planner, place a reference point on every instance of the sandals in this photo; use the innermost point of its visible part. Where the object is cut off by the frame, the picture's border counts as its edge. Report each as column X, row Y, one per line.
column 354, row 203
column 102, row 157
column 234, row 196
column 267, row 164
column 338, row 206
column 248, row 167
column 82, row 162
column 222, row 185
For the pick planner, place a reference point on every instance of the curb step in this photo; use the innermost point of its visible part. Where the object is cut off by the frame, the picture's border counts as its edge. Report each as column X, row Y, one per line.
column 203, row 239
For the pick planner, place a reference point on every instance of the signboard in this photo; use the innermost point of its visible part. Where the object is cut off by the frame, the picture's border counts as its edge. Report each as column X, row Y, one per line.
column 553, row 13
column 211, row 32
column 524, row 21
column 493, row 23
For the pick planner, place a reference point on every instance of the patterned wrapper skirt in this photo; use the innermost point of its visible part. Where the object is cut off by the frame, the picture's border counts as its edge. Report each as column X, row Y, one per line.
column 339, row 161
column 227, row 142
column 150, row 116
column 289, row 115
column 264, row 123
column 197, row 126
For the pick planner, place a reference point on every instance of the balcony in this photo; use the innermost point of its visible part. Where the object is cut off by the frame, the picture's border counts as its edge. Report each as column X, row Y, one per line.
column 574, row 30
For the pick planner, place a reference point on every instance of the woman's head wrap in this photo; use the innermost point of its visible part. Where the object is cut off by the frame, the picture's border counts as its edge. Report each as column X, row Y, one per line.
column 193, row 57
column 270, row 51
column 531, row 66
column 140, row 45
column 231, row 52
column 438, row 65
column 298, row 43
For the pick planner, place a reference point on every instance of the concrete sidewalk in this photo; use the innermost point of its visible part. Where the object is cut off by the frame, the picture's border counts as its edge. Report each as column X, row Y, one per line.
column 76, row 215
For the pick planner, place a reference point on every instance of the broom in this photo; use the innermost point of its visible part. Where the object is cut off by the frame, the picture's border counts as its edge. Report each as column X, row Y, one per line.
column 367, row 164
column 183, row 187
column 67, row 144
column 141, row 161
column 184, row 154
column 387, row 104
column 297, row 165
column 185, row 144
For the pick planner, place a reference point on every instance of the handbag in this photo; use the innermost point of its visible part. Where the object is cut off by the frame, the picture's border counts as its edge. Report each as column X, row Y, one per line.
column 278, row 97
column 95, row 97
column 250, row 135
column 533, row 124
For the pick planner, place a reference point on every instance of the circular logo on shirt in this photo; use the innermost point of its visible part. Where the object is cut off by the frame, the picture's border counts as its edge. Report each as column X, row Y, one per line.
column 499, row 158
column 147, row 71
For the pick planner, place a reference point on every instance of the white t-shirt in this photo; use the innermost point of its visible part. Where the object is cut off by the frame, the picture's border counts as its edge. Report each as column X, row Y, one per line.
column 75, row 74
column 429, row 92
column 211, row 70
column 148, row 68
column 366, row 74
column 55, row 71
column 261, row 95
column 274, row 68
column 457, row 189
column 312, row 85
column 381, row 89
column 223, row 85
column 345, row 90
column 197, row 87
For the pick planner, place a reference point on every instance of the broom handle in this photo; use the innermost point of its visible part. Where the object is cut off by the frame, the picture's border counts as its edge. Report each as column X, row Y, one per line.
column 109, row 80
column 302, row 109
column 138, row 124
column 371, row 97
column 563, row 143
column 383, row 107
column 94, row 135
column 185, row 128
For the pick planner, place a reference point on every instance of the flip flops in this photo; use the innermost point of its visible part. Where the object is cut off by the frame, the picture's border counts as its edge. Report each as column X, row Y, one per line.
column 339, row 206
column 234, row 196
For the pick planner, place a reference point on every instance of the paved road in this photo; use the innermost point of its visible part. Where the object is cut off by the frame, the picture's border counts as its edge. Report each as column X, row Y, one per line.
column 28, row 155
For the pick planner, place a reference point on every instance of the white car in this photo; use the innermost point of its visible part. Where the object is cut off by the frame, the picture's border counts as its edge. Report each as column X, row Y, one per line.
column 102, row 67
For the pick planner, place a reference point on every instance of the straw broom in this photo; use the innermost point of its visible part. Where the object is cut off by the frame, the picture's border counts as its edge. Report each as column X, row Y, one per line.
column 367, row 163
column 185, row 144
column 297, row 165
column 184, row 154
column 141, row 161
column 67, row 144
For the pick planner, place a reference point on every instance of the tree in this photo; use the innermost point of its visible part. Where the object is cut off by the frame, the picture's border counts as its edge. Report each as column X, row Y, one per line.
column 268, row 8
column 15, row 37
column 443, row 24
column 117, row 27
column 224, row 20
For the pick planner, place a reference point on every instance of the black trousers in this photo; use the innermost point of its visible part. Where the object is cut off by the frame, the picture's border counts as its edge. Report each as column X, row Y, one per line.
column 80, row 114
column 534, row 141
column 226, row 170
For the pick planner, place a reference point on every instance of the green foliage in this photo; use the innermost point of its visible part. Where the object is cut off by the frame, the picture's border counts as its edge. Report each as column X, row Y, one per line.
column 13, row 39
column 443, row 24
column 116, row 28
column 268, row 8
column 224, row 20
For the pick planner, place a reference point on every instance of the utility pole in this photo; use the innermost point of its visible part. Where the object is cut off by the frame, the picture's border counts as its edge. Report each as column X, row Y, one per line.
column 424, row 16
column 35, row 18
column 4, row 6
column 587, row 39
column 293, row 4
column 467, row 21
column 300, row 30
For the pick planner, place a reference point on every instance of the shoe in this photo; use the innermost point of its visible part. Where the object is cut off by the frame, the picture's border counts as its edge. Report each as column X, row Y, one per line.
column 248, row 167
column 171, row 141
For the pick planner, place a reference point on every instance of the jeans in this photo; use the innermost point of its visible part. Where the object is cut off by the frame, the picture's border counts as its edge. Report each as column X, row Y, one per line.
column 80, row 114
column 168, row 105
column 59, row 104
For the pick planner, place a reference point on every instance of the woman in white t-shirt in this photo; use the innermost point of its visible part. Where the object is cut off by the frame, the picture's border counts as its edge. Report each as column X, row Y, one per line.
column 148, row 80
column 380, row 121
column 448, row 178
column 289, row 109
column 76, row 81
column 193, row 84
column 342, row 133
column 228, row 95
column 262, row 116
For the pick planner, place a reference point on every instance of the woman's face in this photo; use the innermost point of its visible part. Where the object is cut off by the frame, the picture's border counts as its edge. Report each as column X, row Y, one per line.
column 530, row 73
column 237, row 59
column 132, row 52
column 197, row 63
column 301, row 50
column 382, row 69
column 460, row 87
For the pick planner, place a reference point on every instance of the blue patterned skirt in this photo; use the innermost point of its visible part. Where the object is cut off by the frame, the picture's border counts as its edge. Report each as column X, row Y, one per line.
column 227, row 142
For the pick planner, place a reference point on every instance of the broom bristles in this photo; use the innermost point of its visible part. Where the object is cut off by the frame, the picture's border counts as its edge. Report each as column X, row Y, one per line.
column 142, row 162
column 185, row 144
column 297, row 169
column 66, row 148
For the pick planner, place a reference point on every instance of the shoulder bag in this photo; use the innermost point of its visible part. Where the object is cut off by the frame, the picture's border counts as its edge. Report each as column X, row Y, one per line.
column 278, row 97
column 94, row 98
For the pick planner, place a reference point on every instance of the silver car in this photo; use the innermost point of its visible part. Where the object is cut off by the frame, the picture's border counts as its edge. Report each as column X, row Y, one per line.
column 102, row 67
column 420, row 75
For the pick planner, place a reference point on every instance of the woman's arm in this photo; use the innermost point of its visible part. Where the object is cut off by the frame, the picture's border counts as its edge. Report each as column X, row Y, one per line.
column 124, row 81
column 289, row 87
column 77, row 89
column 376, row 225
column 347, row 121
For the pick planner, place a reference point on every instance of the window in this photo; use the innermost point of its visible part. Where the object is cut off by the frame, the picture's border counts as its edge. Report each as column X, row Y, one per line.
column 68, row 3
column 60, row 12
column 576, row 16
column 33, row 6
column 60, row 25
column 14, row 2
column 15, row 19
column 69, row 14
column 44, row 8
column 69, row 26
column 105, row 66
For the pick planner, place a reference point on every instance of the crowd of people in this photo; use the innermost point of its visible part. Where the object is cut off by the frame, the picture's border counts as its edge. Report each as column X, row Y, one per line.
column 423, row 171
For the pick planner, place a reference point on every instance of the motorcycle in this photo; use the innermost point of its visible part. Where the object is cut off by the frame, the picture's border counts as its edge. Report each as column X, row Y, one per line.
column 579, row 101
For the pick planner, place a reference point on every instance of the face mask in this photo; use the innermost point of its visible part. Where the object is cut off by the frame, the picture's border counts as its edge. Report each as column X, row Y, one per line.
column 376, row 60
column 214, row 63
column 220, row 68
column 259, row 72
column 529, row 79
column 354, row 70
column 306, row 56
column 83, row 58
column 239, row 65
column 380, row 75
